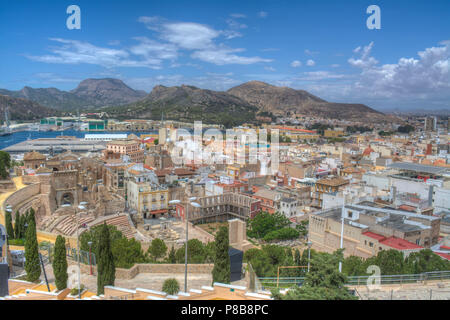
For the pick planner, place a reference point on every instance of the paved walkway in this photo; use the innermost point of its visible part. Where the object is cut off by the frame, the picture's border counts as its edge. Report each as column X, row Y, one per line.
column 430, row 291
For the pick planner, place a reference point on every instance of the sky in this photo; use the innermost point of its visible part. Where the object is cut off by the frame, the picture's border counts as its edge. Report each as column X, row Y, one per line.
column 322, row 46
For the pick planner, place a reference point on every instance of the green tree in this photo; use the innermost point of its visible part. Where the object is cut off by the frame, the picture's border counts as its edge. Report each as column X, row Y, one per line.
column 297, row 257
column 264, row 223
column 221, row 271
column 126, row 252
column 171, row 286
column 172, row 258
column 353, row 266
column 9, row 226
column 60, row 263
column 260, row 262
column 391, row 262
column 156, row 142
column 5, row 164
column 105, row 262
column 32, row 263
column 157, row 249
column 323, row 282
column 425, row 261
column 196, row 252
column 17, row 227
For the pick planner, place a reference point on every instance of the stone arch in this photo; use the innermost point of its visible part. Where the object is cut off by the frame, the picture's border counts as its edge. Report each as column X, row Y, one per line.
column 67, row 198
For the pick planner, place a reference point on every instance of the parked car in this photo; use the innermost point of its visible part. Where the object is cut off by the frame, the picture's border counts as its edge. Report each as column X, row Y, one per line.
column 18, row 257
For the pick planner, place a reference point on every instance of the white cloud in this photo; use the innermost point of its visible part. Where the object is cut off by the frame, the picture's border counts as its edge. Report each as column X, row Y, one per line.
column 296, row 64
column 262, row 14
column 201, row 39
column 311, row 53
column 222, row 56
column 272, row 69
column 427, row 76
column 233, row 27
column 78, row 52
column 365, row 60
column 189, row 35
column 321, row 75
column 238, row 15
column 152, row 49
column 335, row 65
column 310, row 63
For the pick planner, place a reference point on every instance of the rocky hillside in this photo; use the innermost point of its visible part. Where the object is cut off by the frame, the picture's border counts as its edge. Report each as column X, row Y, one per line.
column 23, row 109
column 90, row 93
column 188, row 103
column 107, row 92
column 284, row 101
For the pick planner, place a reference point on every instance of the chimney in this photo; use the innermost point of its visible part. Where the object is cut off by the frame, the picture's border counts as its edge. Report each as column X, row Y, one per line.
column 429, row 149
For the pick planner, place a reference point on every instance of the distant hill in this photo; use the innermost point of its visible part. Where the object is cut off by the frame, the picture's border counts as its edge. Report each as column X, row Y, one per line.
column 282, row 101
column 90, row 93
column 188, row 103
column 240, row 104
column 23, row 109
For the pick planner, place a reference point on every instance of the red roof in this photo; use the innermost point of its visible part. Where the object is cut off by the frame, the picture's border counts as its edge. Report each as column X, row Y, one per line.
column 444, row 255
column 158, row 211
column 406, row 207
column 400, row 244
column 445, row 248
column 373, row 235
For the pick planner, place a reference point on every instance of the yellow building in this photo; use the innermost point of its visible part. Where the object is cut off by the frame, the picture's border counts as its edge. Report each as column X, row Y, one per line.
column 333, row 133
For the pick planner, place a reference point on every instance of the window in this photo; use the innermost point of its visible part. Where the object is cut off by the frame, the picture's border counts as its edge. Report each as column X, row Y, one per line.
column 350, row 214
column 370, row 244
column 418, row 241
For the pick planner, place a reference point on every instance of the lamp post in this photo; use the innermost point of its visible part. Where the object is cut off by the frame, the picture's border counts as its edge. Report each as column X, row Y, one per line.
column 90, row 263
column 196, row 205
column 309, row 243
column 342, row 233
column 78, row 247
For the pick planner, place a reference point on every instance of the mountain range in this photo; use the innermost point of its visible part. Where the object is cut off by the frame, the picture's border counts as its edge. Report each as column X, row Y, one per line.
column 235, row 106
column 23, row 109
column 90, row 93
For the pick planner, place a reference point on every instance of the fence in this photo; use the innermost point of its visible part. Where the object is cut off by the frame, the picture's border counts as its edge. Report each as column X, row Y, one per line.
column 83, row 257
column 411, row 294
column 286, row 282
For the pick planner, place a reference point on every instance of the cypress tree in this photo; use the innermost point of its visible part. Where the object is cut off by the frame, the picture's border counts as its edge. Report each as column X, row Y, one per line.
column 172, row 256
column 32, row 263
column 17, row 225
column 221, row 271
column 297, row 257
column 30, row 216
column 106, row 270
column 60, row 263
column 8, row 225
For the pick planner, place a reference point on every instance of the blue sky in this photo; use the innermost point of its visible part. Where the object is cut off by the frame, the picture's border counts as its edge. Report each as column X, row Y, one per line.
column 322, row 46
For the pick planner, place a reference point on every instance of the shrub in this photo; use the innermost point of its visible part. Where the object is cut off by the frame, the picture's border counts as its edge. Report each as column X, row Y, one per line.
column 282, row 234
column 171, row 286
column 75, row 292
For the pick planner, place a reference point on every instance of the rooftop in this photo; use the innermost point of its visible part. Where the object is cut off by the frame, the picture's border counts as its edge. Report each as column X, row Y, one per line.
column 419, row 168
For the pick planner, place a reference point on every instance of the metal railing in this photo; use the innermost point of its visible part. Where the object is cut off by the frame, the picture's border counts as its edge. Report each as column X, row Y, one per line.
column 84, row 256
column 285, row 282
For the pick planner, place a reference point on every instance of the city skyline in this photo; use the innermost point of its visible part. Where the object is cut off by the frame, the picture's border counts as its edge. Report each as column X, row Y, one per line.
column 324, row 48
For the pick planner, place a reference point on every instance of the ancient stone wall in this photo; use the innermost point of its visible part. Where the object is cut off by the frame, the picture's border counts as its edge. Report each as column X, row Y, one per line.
column 150, row 268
